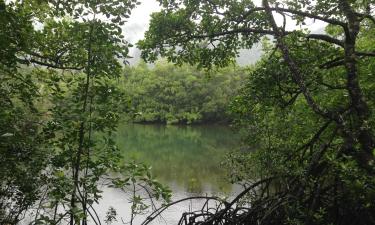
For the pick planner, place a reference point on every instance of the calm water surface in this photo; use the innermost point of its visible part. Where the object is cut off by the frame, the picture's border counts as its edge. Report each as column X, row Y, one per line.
column 186, row 158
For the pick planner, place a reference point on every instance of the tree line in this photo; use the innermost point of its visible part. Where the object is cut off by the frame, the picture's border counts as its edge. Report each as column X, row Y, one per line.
column 180, row 95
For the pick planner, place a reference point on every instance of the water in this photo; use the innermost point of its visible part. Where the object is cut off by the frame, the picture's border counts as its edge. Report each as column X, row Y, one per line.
column 186, row 158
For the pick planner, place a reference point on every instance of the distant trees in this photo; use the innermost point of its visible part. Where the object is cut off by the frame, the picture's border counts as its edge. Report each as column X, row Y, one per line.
column 180, row 95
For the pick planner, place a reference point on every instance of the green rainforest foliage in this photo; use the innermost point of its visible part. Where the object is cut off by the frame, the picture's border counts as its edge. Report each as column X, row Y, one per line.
column 58, row 64
column 306, row 109
column 180, row 95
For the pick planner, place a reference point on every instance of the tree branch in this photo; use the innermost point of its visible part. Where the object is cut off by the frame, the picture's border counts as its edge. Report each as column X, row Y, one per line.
column 367, row 16
column 294, row 69
column 237, row 31
column 156, row 213
column 366, row 54
column 326, row 38
column 298, row 13
column 48, row 65
column 321, row 37
column 340, row 61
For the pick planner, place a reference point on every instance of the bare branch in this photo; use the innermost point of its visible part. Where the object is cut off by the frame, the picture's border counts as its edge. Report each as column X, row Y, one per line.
column 156, row 213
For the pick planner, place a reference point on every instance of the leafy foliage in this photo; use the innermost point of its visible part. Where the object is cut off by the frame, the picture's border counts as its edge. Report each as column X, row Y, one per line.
column 307, row 107
column 57, row 65
column 22, row 145
column 175, row 95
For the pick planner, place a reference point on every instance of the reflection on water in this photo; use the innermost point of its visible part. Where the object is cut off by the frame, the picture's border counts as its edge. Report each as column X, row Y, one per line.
column 184, row 156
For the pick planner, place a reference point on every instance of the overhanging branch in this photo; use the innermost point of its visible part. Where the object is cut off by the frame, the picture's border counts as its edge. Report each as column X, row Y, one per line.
column 298, row 13
column 294, row 69
column 321, row 37
column 326, row 38
column 48, row 65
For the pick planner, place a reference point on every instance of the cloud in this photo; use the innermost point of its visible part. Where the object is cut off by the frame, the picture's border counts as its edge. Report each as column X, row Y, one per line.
column 139, row 20
column 137, row 25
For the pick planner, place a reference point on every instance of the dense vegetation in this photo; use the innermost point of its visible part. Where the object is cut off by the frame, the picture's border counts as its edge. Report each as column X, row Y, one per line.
column 58, row 60
column 172, row 95
column 307, row 108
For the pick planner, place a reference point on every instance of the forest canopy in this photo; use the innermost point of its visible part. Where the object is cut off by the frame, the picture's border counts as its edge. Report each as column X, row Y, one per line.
column 58, row 61
column 180, row 95
column 307, row 108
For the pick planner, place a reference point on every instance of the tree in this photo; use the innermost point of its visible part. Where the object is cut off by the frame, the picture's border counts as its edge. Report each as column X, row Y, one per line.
column 166, row 94
column 22, row 146
column 307, row 106
column 57, row 63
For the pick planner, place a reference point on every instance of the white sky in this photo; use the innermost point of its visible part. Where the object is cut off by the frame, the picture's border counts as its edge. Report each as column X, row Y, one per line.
column 140, row 19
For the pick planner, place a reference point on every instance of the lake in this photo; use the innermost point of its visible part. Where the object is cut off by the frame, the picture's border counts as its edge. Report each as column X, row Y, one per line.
column 185, row 158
